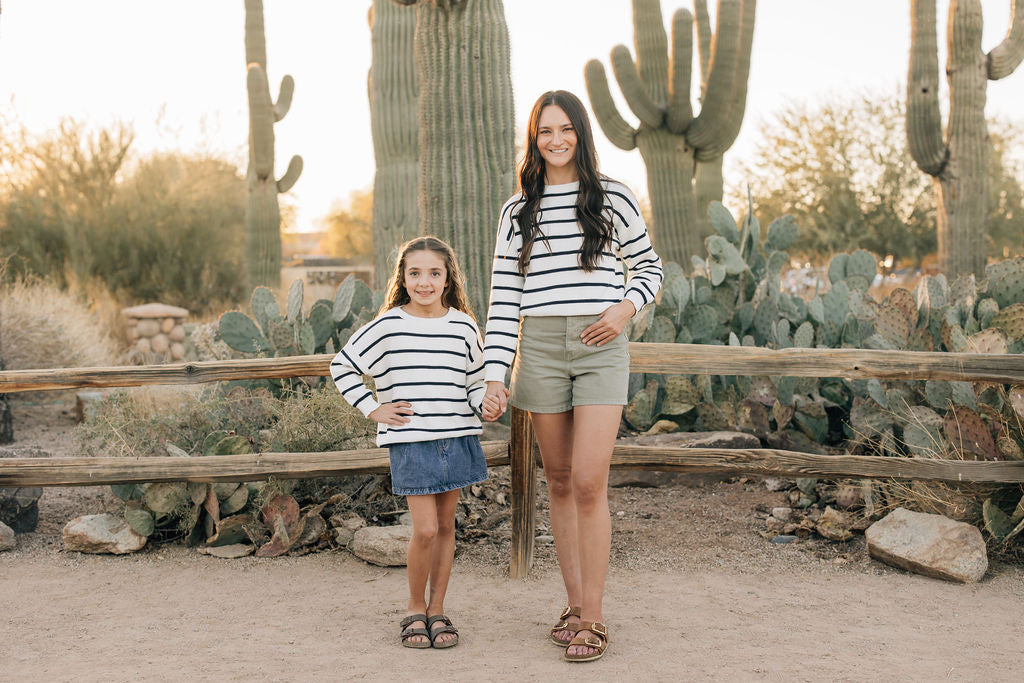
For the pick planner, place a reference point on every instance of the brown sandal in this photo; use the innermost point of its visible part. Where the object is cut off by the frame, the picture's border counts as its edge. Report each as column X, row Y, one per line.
column 564, row 625
column 446, row 627
column 408, row 632
column 597, row 639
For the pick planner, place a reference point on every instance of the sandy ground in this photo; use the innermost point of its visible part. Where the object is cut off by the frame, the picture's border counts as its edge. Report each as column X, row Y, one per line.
column 695, row 592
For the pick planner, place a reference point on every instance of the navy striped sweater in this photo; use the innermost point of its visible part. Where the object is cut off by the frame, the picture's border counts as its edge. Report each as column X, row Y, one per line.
column 555, row 284
column 434, row 363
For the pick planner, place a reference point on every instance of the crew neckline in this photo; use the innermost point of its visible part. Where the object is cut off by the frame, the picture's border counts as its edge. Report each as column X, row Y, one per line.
column 562, row 186
column 406, row 314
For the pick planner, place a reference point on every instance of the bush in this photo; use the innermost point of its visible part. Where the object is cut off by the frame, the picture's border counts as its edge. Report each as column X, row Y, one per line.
column 45, row 326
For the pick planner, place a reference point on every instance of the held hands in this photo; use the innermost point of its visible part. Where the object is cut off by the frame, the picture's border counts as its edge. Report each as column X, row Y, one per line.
column 392, row 413
column 495, row 401
column 610, row 324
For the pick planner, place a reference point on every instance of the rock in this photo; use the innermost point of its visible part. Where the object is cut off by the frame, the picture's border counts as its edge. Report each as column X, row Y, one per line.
column 177, row 351
column 928, row 544
column 101, row 534
column 19, row 506
column 774, row 484
column 147, row 328
column 166, row 325
column 229, row 552
column 405, row 519
column 7, row 541
column 155, row 311
column 834, row 525
column 86, row 404
column 160, row 343
column 783, row 538
column 143, row 346
column 544, row 539
column 384, row 546
column 177, row 333
column 782, row 514
column 342, row 536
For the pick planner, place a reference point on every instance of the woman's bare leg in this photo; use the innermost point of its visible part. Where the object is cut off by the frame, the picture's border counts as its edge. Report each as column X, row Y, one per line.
column 593, row 437
column 419, row 554
column 442, row 556
column 554, row 433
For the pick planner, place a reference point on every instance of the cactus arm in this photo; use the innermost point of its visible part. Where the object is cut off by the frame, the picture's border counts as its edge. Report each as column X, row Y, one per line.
column 291, row 175
column 615, row 128
column 680, row 111
column 709, row 127
column 738, row 98
column 1007, row 56
column 255, row 45
column 639, row 101
column 924, row 121
column 651, row 49
column 702, row 22
column 284, row 97
column 261, row 132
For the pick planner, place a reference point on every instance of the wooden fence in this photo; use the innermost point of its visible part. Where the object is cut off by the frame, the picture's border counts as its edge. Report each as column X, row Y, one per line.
column 518, row 452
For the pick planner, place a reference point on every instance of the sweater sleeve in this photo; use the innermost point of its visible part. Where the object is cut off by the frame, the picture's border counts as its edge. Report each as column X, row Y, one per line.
column 475, row 387
column 506, row 298
column 347, row 372
column 645, row 272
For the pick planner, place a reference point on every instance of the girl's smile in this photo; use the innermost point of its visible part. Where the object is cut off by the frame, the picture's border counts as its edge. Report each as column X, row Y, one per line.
column 425, row 279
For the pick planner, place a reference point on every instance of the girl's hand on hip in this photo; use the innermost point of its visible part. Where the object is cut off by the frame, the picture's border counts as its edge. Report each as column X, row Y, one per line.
column 495, row 401
column 610, row 324
column 392, row 413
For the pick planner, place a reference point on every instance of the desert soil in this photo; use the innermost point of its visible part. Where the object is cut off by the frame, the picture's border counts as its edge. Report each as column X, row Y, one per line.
column 695, row 592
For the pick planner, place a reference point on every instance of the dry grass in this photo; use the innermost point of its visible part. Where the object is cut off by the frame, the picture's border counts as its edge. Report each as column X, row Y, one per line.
column 48, row 327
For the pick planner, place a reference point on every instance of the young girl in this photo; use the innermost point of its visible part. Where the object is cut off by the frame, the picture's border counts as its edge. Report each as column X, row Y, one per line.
column 558, row 267
column 424, row 354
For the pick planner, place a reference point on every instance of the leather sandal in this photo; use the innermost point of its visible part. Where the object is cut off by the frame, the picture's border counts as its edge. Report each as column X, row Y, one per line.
column 564, row 625
column 447, row 628
column 408, row 632
column 597, row 639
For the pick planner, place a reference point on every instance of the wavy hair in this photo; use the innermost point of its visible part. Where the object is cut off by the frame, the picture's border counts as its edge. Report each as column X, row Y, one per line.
column 596, row 224
column 454, row 295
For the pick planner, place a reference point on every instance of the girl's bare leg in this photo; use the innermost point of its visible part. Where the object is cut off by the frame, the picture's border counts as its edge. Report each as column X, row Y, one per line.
column 554, row 436
column 593, row 437
column 418, row 557
column 442, row 555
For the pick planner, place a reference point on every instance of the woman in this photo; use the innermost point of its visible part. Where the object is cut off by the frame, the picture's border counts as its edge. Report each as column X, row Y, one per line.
column 558, row 266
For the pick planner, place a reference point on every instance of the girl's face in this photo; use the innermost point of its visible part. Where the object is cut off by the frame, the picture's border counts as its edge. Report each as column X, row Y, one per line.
column 425, row 278
column 556, row 141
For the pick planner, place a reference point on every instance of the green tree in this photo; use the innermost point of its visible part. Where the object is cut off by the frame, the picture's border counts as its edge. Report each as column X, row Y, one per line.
column 842, row 168
column 349, row 228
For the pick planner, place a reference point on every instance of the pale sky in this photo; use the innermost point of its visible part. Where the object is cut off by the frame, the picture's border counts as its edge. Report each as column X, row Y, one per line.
column 176, row 71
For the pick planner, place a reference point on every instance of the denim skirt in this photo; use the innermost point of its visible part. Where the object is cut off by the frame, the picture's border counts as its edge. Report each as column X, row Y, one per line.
column 426, row 467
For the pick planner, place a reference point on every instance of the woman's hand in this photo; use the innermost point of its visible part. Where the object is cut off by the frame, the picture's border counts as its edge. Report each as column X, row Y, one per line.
column 610, row 324
column 495, row 401
column 392, row 413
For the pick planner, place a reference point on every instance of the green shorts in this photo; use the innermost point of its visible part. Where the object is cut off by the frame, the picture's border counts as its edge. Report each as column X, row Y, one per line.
column 555, row 371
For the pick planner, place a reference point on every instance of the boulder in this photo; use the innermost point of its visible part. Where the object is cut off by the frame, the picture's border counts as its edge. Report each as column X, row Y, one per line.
column 155, row 311
column 7, row 541
column 101, row 534
column 384, row 546
column 928, row 544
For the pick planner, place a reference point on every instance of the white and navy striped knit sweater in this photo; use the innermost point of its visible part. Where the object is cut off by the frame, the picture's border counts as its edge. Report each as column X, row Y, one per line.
column 434, row 363
column 555, row 284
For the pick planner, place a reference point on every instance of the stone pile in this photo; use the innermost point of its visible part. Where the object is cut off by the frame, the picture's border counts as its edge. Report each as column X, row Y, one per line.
column 156, row 332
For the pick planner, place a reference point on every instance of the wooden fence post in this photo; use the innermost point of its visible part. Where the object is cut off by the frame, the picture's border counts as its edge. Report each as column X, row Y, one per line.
column 524, row 493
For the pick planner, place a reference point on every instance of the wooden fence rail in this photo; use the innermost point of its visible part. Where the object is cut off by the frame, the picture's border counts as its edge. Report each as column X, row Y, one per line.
column 687, row 359
column 518, row 452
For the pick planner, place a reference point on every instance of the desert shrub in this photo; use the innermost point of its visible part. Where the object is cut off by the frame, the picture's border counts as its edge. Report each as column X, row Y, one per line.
column 45, row 326
column 320, row 421
column 77, row 206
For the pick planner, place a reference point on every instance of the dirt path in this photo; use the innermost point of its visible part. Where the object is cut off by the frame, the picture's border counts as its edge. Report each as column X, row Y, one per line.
column 177, row 615
column 695, row 592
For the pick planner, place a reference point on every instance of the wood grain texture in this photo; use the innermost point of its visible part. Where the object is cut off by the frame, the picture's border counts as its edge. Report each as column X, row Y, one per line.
column 524, row 493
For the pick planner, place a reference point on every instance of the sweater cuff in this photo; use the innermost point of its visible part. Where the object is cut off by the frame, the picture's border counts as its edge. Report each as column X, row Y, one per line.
column 637, row 299
column 495, row 372
column 368, row 406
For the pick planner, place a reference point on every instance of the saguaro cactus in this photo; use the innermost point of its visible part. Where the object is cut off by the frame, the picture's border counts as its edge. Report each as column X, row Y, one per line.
column 467, row 150
column 393, row 92
column 958, row 161
column 263, row 215
column 672, row 141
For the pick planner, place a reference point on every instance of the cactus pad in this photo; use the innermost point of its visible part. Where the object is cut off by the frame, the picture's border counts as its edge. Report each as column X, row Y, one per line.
column 240, row 333
column 988, row 341
column 1009, row 319
column 968, row 434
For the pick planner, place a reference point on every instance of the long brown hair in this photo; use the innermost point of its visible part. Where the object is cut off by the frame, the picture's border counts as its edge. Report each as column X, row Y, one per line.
column 597, row 226
column 454, row 295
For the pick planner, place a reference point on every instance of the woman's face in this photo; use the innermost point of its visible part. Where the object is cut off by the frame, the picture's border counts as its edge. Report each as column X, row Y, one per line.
column 556, row 141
